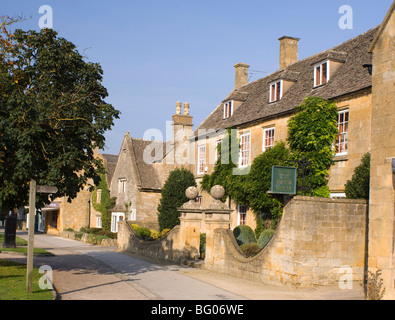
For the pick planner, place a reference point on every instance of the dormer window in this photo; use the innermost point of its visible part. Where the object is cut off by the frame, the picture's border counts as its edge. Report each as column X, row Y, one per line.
column 276, row 91
column 321, row 74
column 228, row 109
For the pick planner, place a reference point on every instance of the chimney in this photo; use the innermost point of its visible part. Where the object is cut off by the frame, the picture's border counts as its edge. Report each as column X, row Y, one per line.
column 182, row 130
column 288, row 51
column 241, row 78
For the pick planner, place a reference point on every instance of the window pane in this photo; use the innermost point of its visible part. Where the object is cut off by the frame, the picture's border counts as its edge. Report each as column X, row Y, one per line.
column 324, row 72
column 318, row 76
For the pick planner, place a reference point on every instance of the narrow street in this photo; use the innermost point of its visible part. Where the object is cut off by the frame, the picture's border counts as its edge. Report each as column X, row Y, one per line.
column 86, row 272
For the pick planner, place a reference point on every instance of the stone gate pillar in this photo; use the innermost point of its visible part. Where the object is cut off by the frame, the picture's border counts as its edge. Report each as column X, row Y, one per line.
column 215, row 216
column 190, row 218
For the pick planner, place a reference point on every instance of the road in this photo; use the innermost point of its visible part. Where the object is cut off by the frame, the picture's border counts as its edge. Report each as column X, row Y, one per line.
column 86, row 272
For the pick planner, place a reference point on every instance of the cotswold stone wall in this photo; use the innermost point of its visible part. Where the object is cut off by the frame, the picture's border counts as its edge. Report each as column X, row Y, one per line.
column 167, row 248
column 317, row 242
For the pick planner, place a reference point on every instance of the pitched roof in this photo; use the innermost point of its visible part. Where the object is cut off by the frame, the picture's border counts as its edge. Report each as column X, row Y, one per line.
column 147, row 175
column 390, row 12
column 110, row 161
column 350, row 77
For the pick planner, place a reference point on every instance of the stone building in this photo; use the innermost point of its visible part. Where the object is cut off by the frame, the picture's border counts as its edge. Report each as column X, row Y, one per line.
column 381, row 251
column 259, row 110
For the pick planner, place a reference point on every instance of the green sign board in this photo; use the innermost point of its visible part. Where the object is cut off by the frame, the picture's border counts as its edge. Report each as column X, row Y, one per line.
column 284, row 180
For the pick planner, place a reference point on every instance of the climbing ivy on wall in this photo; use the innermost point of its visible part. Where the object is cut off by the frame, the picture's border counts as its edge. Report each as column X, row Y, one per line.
column 105, row 204
column 311, row 134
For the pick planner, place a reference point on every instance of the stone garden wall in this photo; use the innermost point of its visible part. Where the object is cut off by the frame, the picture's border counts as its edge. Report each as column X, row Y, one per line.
column 318, row 242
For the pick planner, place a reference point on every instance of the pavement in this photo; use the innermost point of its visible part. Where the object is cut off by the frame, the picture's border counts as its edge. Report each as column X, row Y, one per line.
column 86, row 272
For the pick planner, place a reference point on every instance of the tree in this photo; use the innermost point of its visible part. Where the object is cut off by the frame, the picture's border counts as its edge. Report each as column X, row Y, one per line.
column 311, row 134
column 52, row 116
column 173, row 197
column 359, row 186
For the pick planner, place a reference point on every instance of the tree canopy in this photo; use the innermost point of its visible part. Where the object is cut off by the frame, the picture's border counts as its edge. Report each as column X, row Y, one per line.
column 52, row 115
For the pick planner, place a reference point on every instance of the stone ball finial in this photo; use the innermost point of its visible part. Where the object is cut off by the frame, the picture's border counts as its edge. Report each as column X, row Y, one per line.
column 217, row 192
column 191, row 193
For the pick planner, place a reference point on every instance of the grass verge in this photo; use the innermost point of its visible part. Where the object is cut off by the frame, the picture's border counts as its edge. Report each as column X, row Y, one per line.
column 13, row 283
column 21, row 247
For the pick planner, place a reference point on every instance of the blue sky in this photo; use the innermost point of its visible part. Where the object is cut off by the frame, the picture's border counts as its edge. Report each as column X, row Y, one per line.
column 157, row 52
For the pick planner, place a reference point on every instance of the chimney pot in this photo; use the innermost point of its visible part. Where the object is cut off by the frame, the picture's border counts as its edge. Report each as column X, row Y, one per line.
column 288, row 51
column 241, row 77
column 186, row 108
column 178, row 107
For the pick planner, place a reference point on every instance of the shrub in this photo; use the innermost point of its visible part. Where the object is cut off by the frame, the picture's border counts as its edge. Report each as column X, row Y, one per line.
column 173, row 197
column 78, row 235
column 164, row 232
column 359, row 186
column 244, row 234
column 250, row 249
column 265, row 237
column 144, row 233
column 259, row 227
column 155, row 235
column 202, row 247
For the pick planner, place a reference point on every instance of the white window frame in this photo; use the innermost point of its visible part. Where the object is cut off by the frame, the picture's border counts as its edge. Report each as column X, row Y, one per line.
column 98, row 222
column 133, row 215
column 274, row 86
column 241, row 211
column 344, row 133
column 245, row 150
column 121, row 185
column 115, row 218
column 319, row 65
column 265, row 131
column 228, row 109
column 201, row 163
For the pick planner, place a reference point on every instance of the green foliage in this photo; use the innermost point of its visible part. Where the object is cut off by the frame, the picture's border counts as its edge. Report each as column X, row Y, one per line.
column 359, row 186
column 258, row 181
column 173, row 197
column 99, row 232
column 260, row 226
column 265, row 237
column 311, row 133
column 52, row 116
column 105, row 204
column 155, row 235
column 202, row 247
column 164, row 232
column 223, row 170
column 250, row 249
column 144, row 233
column 244, row 234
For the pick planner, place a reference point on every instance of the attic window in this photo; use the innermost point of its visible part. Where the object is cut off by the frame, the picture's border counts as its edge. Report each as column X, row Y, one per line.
column 321, row 74
column 228, row 109
column 276, row 91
